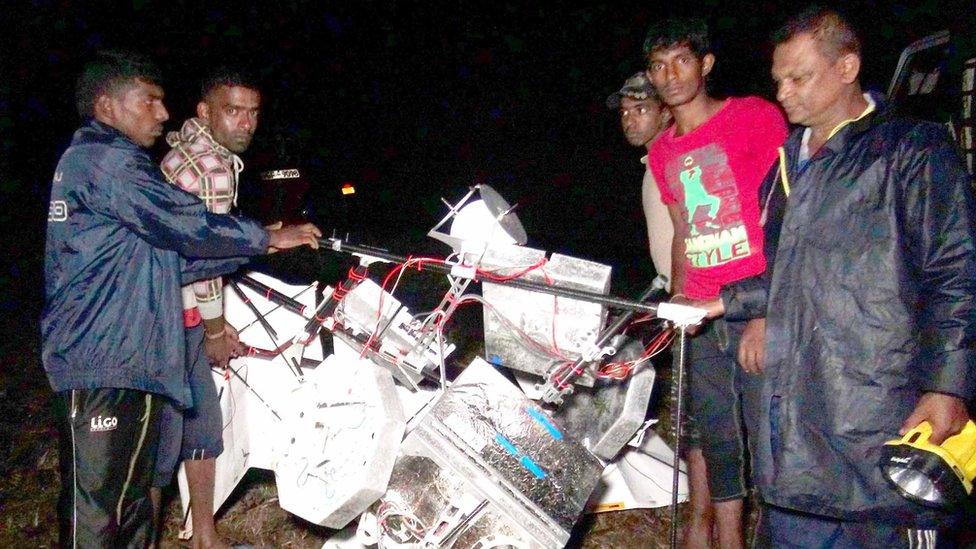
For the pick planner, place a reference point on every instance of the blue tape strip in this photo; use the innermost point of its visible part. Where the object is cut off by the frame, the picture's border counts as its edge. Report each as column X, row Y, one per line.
column 507, row 445
column 541, row 419
column 524, row 461
column 533, row 467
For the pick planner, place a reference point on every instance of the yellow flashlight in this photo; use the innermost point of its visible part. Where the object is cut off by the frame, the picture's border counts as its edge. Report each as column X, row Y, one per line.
column 935, row 475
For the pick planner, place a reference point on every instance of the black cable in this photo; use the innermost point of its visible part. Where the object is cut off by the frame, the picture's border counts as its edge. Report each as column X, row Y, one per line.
column 255, row 393
column 257, row 314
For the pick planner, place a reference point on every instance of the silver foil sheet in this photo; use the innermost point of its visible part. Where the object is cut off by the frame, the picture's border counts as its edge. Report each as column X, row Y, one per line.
column 486, row 461
column 565, row 326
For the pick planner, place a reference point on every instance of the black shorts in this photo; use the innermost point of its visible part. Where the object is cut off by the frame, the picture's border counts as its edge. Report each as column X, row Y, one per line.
column 195, row 433
column 717, row 386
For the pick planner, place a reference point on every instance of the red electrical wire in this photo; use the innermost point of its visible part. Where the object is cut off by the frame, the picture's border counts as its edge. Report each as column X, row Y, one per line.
column 548, row 280
column 488, row 275
column 419, row 261
column 621, row 370
column 338, row 293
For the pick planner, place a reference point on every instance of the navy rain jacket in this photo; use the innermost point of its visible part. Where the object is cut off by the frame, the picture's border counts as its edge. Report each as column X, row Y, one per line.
column 113, row 268
column 869, row 302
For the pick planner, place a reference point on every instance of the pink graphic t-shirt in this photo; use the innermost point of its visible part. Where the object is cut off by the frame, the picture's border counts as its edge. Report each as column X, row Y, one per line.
column 713, row 173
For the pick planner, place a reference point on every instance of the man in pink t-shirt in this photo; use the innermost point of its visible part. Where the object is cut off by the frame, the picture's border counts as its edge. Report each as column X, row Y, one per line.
column 709, row 165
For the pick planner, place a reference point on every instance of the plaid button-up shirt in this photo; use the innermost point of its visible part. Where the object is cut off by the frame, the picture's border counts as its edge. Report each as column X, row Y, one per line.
column 199, row 165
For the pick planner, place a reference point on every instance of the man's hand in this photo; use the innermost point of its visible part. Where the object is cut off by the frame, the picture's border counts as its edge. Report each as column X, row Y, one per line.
column 234, row 339
column 715, row 307
column 273, row 227
column 752, row 354
column 946, row 413
column 219, row 350
column 293, row 236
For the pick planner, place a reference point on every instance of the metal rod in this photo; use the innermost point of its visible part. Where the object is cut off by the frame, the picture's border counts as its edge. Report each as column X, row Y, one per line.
column 623, row 320
column 273, row 309
column 272, row 295
column 272, row 334
column 253, row 392
column 609, row 301
column 449, row 537
column 328, row 306
column 254, row 310
column 676, row 420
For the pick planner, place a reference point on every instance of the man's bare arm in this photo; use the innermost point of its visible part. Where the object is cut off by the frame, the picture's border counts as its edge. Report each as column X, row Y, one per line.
column 678, row 269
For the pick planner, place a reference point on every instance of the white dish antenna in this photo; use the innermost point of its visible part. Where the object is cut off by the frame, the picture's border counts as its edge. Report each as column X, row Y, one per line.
column 480, row 222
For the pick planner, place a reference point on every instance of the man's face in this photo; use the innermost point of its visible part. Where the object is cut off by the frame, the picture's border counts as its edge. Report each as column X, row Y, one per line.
column 640, row 119
column 231, row 112
column 678, row 74
column 809, row 84
column 137, row 111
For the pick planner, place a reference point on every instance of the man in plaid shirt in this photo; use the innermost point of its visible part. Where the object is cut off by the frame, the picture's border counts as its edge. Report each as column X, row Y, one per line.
column 203, row 161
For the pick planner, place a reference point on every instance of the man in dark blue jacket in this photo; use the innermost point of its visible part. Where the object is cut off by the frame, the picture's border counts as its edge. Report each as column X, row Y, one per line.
column 121, row 241
column 869, row 300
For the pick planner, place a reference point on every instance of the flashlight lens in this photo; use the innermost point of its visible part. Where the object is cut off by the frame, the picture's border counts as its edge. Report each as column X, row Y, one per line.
column 916, row 485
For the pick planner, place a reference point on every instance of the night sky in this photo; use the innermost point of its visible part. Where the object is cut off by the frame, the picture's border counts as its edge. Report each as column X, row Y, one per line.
column 409, row 104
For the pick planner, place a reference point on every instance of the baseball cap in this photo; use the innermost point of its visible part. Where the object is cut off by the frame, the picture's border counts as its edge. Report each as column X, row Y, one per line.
column 636, row 87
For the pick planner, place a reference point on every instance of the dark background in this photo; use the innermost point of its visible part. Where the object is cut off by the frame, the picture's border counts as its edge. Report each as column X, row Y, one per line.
column 410, row 104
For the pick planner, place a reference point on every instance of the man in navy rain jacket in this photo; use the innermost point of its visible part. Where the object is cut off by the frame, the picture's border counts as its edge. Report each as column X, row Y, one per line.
column 121, row 241
column 869, row 299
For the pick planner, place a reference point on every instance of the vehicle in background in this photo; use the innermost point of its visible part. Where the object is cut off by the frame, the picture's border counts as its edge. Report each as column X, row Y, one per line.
column 934, row 80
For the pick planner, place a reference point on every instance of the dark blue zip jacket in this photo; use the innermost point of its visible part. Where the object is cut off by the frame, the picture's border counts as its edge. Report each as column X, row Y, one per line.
column 113, row 267
column 870, row 302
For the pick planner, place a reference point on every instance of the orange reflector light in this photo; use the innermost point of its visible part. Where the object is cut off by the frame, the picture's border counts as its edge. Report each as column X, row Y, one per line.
column 348, row 189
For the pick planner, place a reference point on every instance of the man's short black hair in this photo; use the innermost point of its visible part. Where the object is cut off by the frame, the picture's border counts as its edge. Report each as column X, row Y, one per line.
column 678, row 31
column 228, row 76
column 832, row 31
column 109, row 72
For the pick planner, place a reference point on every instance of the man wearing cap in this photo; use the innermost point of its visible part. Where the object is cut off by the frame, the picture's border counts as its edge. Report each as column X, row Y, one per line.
column 642, row 117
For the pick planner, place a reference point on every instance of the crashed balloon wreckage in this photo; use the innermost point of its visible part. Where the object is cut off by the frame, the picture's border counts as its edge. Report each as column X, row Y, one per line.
column 377, row 431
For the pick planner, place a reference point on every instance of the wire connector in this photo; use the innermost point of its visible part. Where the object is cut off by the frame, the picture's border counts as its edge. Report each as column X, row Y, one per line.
column 552, row 394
